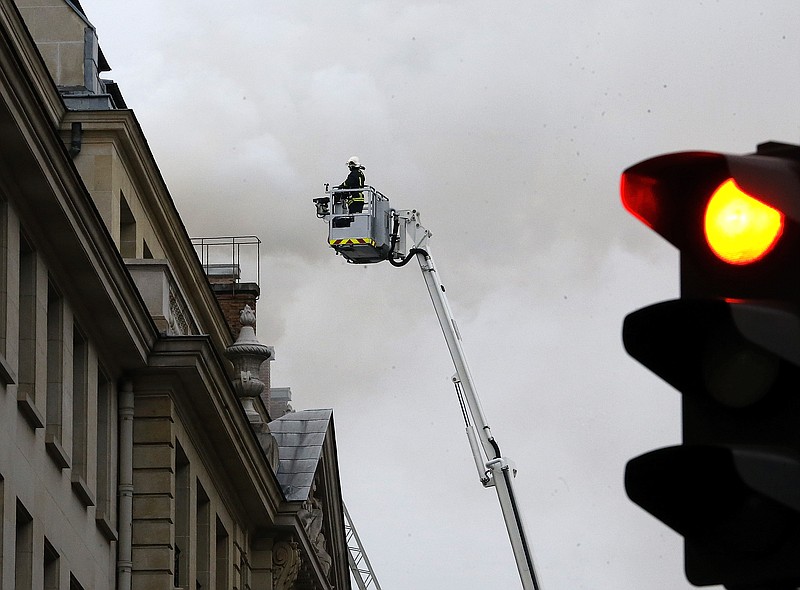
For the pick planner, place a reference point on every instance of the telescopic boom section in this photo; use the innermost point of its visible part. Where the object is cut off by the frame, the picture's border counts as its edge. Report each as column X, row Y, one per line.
column 497, row 467
column 381, row 233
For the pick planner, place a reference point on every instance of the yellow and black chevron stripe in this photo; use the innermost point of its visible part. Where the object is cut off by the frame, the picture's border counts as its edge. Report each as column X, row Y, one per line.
column 353, row 242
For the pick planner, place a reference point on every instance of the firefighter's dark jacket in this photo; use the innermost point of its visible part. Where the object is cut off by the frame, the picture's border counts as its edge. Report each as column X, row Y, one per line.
column 354, row 180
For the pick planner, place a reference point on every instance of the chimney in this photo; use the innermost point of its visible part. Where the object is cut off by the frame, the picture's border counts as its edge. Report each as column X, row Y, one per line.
column 232, row 295
column 278, row 401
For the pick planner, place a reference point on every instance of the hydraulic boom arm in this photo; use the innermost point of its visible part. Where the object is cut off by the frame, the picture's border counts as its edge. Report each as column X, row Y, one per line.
column 397, row 236
column 497, row 471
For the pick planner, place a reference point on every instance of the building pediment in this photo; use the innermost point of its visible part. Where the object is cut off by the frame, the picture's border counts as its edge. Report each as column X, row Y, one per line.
column 308, row 475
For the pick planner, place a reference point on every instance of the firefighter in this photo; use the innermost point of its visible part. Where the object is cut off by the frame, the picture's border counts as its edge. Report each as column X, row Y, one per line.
column 354, row 200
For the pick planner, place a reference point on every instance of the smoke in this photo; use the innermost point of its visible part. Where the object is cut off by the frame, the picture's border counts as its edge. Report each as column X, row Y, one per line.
column 507, row 125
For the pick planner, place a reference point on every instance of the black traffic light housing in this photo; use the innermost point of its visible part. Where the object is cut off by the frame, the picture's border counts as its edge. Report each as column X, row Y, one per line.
column 731, row 346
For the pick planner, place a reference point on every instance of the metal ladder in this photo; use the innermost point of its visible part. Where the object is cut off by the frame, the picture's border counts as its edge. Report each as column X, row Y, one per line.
column 360, row 567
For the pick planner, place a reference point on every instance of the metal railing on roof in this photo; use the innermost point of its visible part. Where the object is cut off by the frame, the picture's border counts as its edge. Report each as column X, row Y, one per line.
column 230, row 260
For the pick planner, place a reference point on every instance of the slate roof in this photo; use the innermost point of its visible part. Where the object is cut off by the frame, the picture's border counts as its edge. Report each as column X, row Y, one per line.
column 300, row 436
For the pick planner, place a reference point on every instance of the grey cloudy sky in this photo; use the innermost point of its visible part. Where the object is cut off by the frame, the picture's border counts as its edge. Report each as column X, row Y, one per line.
column 507, row 124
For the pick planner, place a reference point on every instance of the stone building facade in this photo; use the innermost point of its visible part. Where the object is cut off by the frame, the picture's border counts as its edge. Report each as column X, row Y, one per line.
column 138, row 446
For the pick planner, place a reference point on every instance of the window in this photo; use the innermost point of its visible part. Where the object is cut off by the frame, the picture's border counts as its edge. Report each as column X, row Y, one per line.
column 55, row 361
column 74, row 584
column 23, row 550
column 203, row 517
column 127, row 229
column 223, row 557
column 80, row 391
column 3, row 275
column 182, row 507
column 55, row 377
column 27, row 330
column 51, row 565
column 243, row 568
column 106, row 476
column 80, row 417
column 2, row 520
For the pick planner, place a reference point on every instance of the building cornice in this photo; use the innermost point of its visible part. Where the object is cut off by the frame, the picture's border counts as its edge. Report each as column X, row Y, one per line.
column 204, row 394
column 121, row 127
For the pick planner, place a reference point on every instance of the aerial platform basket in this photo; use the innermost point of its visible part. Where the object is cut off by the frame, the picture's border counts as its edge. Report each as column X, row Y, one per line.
column 361, row 237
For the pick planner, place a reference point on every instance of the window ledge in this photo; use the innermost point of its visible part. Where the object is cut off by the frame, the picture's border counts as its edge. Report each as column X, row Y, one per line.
column 7, row 375
column 56, row 451
column 104, row 525
column 28, row 409
column 82, row 490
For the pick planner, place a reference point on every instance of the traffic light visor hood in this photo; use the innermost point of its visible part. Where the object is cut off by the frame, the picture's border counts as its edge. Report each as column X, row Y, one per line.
column 752, row 195
column 656, row 191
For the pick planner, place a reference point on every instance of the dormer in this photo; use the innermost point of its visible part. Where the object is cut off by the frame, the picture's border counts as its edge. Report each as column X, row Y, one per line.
column 68, row 44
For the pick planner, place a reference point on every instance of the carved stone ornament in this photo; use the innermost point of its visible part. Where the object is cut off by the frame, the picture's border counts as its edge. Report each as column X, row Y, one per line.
column 312, row 516
column 285, row 565
column 247, row 354
column 178, row 316
column 268, row 444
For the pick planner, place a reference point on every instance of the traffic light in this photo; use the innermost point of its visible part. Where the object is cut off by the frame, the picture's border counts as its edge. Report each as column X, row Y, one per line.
column 731, row 346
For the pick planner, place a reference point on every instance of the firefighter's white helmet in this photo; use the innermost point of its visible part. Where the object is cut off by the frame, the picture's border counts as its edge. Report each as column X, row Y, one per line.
column 353, row 161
